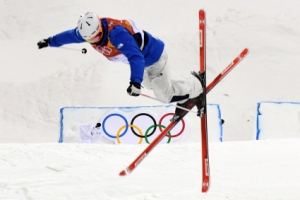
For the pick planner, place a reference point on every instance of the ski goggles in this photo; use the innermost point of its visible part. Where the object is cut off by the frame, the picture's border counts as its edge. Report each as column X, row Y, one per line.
column 95, row 38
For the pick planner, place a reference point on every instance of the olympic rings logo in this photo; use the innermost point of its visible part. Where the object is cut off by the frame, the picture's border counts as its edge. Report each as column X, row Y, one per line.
column 142, row 127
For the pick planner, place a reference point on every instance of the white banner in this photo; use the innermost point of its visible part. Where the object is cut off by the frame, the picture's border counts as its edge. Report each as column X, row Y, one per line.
column 136, row 125
column 277, row 120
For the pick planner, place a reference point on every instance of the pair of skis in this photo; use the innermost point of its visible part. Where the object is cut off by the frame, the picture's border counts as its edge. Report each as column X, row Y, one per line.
column 206, row 89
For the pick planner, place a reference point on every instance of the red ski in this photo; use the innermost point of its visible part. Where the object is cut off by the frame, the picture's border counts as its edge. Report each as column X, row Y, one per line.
column 227, row 70
column 205, row 159
column 204, row 135
column 206, row 89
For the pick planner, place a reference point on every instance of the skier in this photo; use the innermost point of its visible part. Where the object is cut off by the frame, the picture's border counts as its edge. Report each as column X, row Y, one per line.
column 123, row 40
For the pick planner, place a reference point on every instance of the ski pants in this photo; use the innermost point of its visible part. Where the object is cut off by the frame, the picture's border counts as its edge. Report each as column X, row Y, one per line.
column 158, row 78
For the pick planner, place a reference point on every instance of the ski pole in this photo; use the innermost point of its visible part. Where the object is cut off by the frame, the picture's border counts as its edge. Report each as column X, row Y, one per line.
column 144, row 95
column 84, row 51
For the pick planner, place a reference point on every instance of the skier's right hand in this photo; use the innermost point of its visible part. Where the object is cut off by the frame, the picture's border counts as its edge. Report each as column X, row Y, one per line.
column 43, row 43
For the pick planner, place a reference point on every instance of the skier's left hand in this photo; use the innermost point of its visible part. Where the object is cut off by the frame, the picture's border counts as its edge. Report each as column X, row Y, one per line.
column 43, row 43
column 134, row 89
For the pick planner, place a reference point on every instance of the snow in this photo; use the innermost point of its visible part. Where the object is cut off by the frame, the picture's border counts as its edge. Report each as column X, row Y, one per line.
column 35, row 84
column 239, row 170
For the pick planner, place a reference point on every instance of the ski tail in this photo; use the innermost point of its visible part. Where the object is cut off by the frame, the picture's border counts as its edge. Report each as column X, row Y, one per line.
column 153, row 144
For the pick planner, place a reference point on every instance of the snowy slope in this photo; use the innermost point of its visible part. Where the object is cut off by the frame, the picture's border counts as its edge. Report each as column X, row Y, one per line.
column 248, row 170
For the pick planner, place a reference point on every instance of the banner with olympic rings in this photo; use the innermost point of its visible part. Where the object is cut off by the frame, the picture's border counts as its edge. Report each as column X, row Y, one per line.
column 136, row 125
column 140, row 127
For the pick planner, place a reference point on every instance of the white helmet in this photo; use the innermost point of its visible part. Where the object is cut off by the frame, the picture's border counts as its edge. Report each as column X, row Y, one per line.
column 89, row 25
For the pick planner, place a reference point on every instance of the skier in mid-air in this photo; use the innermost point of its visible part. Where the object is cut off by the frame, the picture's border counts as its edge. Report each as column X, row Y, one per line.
column 124, row 41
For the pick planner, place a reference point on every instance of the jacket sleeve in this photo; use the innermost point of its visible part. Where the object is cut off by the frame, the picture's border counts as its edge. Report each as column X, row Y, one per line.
column 122, row 39
column 66, row 37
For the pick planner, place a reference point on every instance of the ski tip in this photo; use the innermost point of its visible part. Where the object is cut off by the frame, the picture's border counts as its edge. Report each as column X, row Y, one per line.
column 123, row 173
column 244, row 52
column 201, row 14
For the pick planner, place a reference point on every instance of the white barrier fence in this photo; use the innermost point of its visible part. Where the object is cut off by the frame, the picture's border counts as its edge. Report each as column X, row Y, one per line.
column 277, row 120
column 136, row 125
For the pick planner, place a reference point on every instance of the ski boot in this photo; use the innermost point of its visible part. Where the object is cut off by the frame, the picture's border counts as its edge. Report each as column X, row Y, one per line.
column 198, row 101
column 201, row 101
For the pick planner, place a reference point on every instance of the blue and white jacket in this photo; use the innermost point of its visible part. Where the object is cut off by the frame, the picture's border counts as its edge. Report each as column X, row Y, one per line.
column 122, row 41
